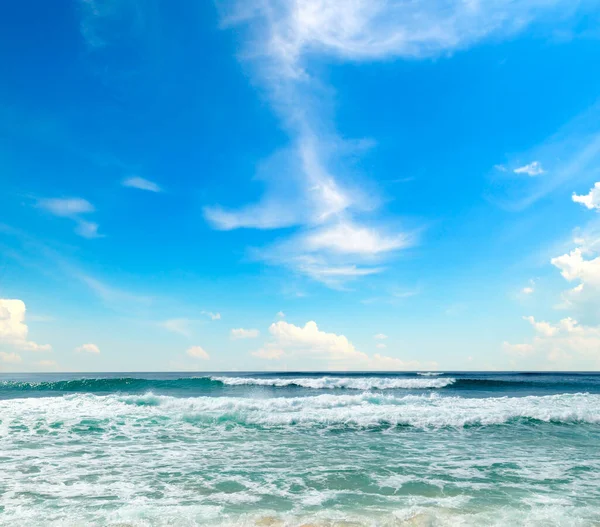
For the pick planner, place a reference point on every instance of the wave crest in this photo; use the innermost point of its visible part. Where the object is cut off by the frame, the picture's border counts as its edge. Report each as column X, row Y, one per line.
column 365, row 410
column 349, row 383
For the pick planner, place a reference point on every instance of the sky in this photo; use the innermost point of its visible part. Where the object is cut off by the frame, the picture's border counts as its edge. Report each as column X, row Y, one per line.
column 299, row 185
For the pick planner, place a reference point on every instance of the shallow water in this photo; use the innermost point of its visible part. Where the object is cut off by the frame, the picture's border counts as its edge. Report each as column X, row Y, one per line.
column 293, row 449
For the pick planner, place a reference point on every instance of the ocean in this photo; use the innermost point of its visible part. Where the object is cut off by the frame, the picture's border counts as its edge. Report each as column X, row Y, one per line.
column 292, row 449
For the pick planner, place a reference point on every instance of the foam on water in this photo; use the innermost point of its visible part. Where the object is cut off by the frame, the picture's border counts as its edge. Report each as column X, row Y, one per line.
column 364, row 410
column 349, row 383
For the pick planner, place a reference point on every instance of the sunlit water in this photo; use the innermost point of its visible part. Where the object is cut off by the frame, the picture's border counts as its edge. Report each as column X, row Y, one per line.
column 282, row 449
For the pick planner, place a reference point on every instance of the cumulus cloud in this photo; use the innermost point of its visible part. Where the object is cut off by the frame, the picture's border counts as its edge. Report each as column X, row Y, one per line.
column 87, row 348
column 309, row 342
column 542, row 327
column 562, row 342
column 14, row 330
column 532, row 169
column 73, row 209
column 568, row 342
column 141, row 184
column 280, row 314
column 591, row 200
column 380, row 336
column 575, row 266
column 241, row 333
column 198, row 352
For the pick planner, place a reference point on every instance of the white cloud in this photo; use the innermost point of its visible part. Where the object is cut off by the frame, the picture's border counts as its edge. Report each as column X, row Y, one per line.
column 141, row 184
column 381, row 346
column 280, row 314
column 380, row 29
column 528, row 290
column 568, row 343
column 73, row 208
column 574, row 266
column 309, row 342
column 67, row 207
column 542, row 327
column 87, row 348
column 532, row 169
column 380, row 336
column 563, row 342
column 211, row 315
column 13, row 330
column 198, row 353
column 10, row 358
column 177, row 325
column 241, row 333
column 590, row 200
column 349, row 238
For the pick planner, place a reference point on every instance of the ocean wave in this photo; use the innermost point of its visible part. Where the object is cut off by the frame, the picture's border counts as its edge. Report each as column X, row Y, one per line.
column 330, row 382
column 107, row 384
column 430, row 373
column 365, row 410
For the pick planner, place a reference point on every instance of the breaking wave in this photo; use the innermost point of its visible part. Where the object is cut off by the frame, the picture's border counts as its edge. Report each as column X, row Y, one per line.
column 365, row 410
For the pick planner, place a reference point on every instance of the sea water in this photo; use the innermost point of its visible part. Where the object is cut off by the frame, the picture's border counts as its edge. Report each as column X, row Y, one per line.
column 281, row 449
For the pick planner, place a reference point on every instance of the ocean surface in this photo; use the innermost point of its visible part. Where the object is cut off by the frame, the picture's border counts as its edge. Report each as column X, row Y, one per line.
column 283, row 449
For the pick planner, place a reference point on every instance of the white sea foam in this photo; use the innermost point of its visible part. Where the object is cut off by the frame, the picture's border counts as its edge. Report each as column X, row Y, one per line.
column 430, row 373
column 141, row 460
column 349, row 383
column 361, row 410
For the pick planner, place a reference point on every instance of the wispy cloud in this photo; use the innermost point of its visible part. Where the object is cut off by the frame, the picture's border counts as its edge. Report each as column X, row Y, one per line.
column 320, row 195
column 178, row 325
column 66, row 207
column 72, row 208
column 141, row 184
column 211, row 315
column 532, row 169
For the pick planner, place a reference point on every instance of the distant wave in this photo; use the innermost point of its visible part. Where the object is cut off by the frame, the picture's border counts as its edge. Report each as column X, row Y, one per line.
column 366, row 410
column 107, row 385
column 349, row 383
column 423, row 381
column 430, row 373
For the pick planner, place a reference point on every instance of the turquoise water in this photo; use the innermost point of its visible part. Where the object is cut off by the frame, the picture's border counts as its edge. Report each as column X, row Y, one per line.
column 296, row 449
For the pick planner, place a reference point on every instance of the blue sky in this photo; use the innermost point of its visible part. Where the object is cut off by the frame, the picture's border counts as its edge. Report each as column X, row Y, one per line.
column 300, row 185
